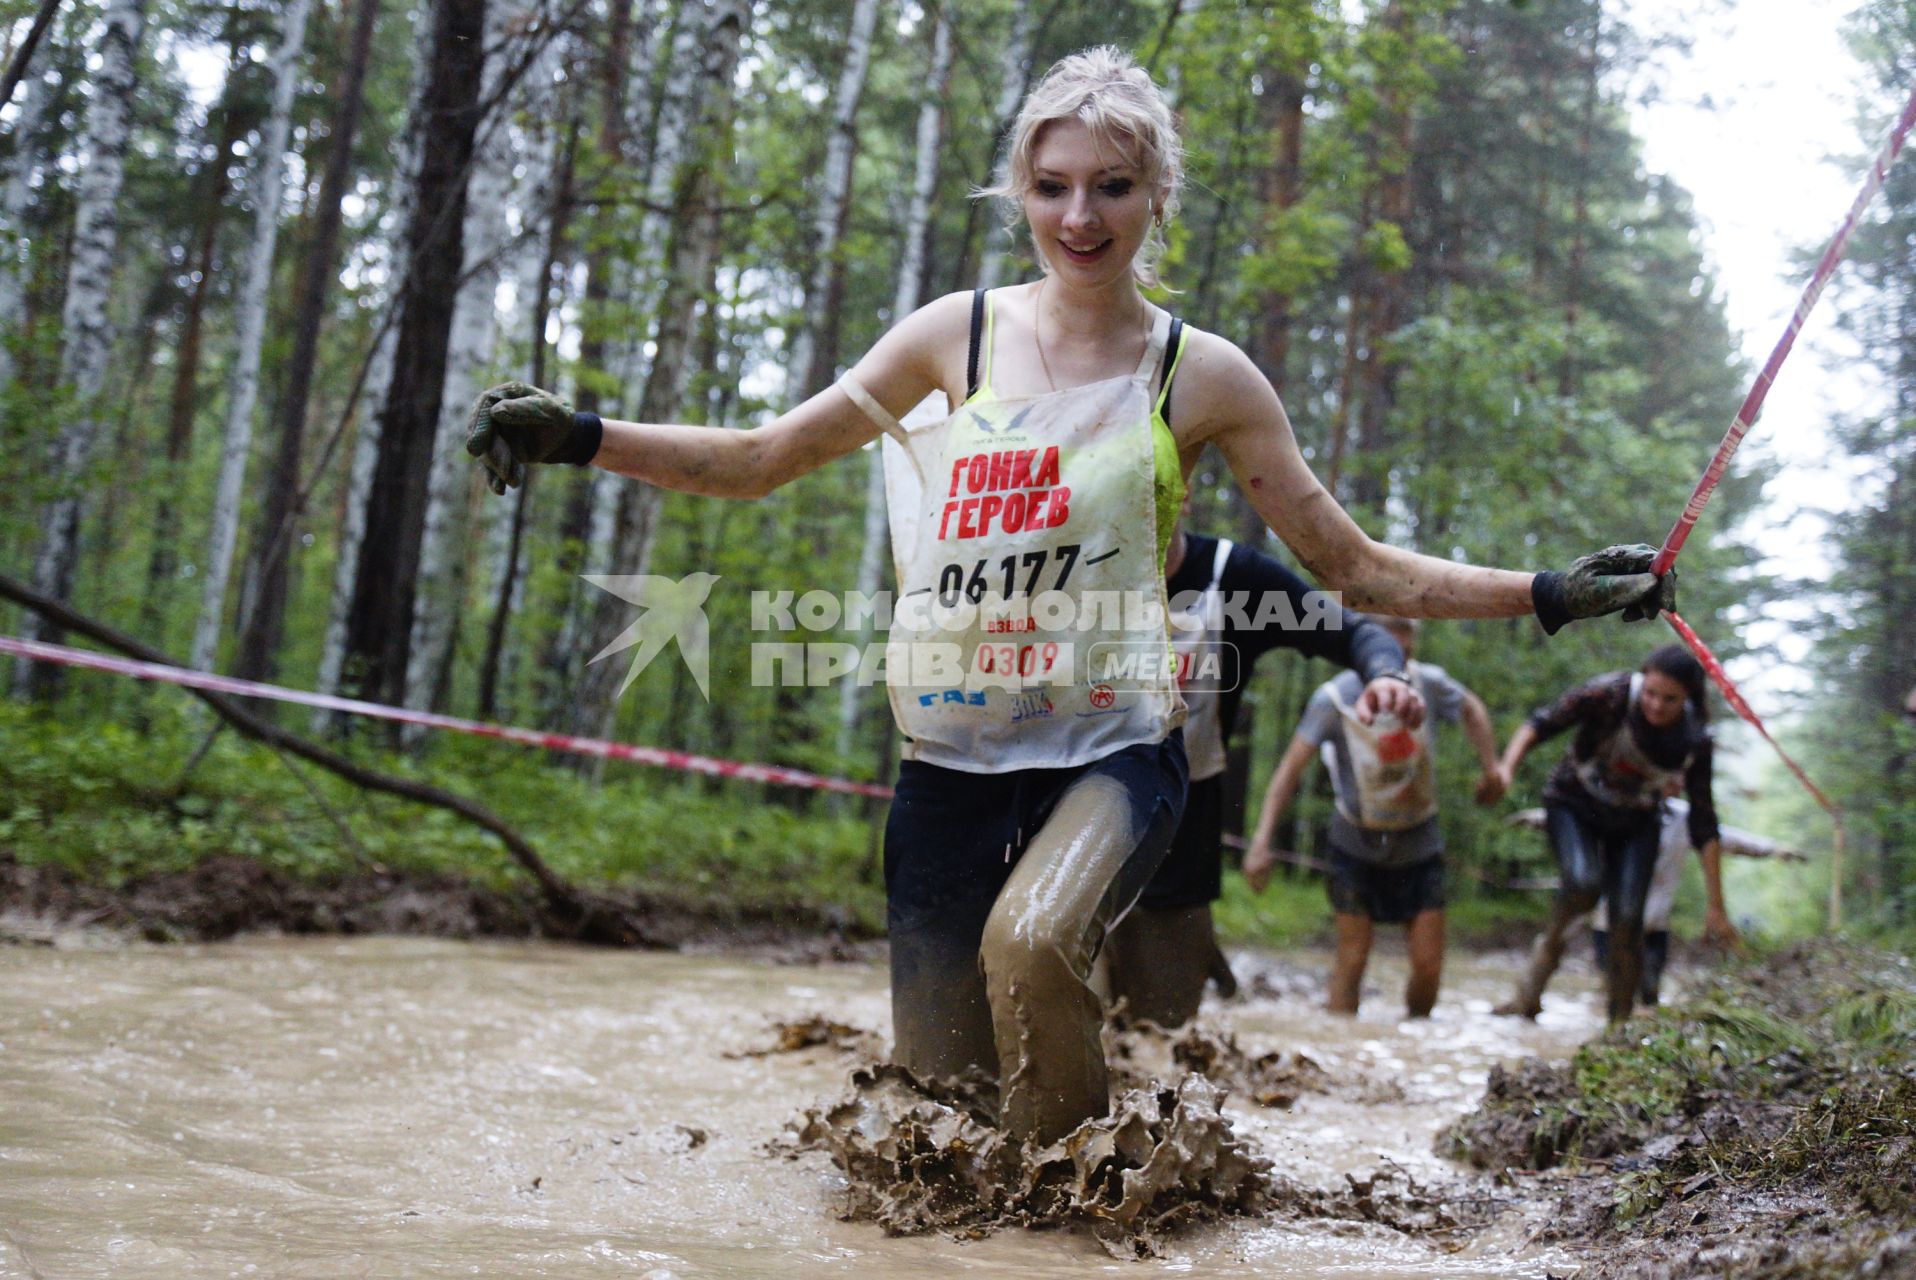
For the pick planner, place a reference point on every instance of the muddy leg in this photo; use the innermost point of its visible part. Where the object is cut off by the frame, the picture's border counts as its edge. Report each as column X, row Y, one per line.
column 1160, row 958
column 1347, row 971
column 1426, row 962
column 1627, row 884
column 1547, row 954
column 1085, row 866
column 941, row 1019
column 946, row 857
column 1656, row 954
column 1580, row 871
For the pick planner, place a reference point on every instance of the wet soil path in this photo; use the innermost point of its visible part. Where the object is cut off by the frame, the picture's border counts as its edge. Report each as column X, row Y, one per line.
column 394, row 1106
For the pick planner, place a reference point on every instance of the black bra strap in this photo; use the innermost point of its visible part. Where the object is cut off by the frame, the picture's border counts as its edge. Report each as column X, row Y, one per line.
column 977, row 338
column 1165, row 371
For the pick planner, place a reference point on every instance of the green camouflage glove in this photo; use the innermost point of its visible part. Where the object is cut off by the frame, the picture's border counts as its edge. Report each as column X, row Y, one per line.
column 516, row 424
column 1612, row 580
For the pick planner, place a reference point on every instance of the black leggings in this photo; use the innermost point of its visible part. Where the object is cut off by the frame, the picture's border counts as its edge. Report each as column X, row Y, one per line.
column 1597, row 860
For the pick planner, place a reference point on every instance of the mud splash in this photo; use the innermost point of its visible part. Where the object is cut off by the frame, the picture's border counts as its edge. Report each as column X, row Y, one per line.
column 921, row 1159
column 815, row 1031
column 1142, row 1055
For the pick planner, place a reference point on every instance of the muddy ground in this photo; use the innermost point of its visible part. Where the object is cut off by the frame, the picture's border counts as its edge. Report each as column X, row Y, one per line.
column 223, row 897
column 1765, row 1129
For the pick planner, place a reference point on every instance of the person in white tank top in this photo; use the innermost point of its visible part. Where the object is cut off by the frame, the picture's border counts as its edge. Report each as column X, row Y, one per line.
column 1093, row 168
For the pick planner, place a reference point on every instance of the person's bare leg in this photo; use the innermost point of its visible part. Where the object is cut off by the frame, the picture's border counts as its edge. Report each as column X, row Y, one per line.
column 1426, row 962
column 1347, row 970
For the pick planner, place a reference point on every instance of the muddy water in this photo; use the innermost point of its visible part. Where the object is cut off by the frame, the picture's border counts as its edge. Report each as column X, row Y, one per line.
column 394, row 1107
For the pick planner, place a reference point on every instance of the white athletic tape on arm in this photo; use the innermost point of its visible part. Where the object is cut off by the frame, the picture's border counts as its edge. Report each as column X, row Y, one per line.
column 873, row 410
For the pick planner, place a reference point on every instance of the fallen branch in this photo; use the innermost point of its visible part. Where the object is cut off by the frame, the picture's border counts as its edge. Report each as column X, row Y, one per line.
column 577, row 915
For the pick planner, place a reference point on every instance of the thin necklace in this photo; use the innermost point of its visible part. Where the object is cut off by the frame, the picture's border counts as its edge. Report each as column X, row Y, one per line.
column 1037, row 331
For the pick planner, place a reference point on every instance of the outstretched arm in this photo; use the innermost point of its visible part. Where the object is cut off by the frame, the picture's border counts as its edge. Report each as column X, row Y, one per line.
column 1234, row 406
column 1259, row 859
column 1717, row 929
column 1519, row 747
column 1483, row 737
column 514, row 425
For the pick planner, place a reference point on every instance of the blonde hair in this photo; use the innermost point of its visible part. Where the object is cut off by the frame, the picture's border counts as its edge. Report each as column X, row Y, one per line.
column 1118, row 101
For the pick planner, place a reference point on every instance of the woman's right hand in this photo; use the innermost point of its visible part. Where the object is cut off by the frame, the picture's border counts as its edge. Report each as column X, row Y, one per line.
column 516, row 424
column 1258, row 861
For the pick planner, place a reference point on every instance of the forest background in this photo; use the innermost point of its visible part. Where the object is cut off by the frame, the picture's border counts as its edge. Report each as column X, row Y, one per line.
column 256, row 259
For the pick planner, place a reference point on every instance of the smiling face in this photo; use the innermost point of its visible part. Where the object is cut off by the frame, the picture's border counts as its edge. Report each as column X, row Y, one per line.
column 1661, row 699
column 1089, row 207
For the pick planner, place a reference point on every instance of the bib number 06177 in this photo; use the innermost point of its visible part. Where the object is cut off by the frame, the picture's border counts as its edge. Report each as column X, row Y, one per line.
column 954, row 583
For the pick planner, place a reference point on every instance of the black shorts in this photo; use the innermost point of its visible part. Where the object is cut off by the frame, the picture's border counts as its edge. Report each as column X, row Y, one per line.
column 1191, row 874
column 953, row 837
column 1388, row 895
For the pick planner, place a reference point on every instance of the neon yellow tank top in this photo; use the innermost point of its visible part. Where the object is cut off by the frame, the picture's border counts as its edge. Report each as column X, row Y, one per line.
column 1168, row 471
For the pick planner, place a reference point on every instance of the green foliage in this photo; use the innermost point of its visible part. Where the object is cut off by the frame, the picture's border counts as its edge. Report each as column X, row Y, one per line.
column 113, row 801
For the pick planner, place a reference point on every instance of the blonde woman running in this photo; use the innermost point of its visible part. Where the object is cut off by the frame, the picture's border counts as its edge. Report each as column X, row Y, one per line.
column 1038, row 789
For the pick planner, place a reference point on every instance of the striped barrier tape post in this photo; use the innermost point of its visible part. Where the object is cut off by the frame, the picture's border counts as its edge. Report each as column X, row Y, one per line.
column 1753, row 403
column 685, row 761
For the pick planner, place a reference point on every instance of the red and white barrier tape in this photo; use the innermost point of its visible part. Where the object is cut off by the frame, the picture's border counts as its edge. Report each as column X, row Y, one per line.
column 1760, row 389
column 682, row 760
column 1734, row 697
column 1726, row 449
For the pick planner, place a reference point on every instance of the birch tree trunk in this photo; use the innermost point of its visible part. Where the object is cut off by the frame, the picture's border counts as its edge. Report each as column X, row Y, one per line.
column 911, row 277
column 1014, row 77
column 85, row 320
column 210, row 189
column 474, row 329
column 242, row 388
column 379, row 623
column 813, row 356
column 686, row 264
column 276, row 527
column 16, row 198
column 592, row 524
column 592, row 500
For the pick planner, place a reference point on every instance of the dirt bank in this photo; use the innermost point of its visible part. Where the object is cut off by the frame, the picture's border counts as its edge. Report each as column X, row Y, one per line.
column 223, row 897
column 1764, row 1130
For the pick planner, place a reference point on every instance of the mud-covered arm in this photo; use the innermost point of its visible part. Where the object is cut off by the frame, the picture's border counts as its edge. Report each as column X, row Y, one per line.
column 1699, row 787
column 899, row 371
column 1605, row 696
column 1232, row 405
column 514, row 426
column 1239, row 411
column 1259, row 859
column 1339, row 635
column 1717, row 928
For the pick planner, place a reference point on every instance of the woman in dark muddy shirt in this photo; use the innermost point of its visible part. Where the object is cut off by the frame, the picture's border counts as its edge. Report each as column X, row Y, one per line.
column 1638, row 733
